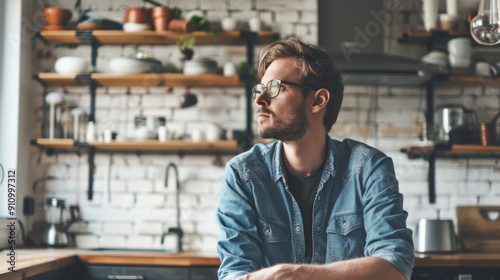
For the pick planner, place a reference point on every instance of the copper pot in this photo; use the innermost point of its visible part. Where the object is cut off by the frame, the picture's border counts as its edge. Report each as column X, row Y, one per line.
column 161, row 17
column 138, row 15
column 57, row 16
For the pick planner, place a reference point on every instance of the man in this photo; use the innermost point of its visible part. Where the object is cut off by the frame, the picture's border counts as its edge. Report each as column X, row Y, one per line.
column 308, row 206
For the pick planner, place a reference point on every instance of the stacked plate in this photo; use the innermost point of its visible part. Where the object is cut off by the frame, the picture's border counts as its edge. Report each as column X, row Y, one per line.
column 199, row 66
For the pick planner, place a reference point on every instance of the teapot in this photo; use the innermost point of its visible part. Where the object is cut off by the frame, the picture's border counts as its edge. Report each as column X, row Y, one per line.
column 456, row 124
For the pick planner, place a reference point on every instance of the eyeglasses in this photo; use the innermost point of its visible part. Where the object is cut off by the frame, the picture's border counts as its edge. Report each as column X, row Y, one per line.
column 273, row 88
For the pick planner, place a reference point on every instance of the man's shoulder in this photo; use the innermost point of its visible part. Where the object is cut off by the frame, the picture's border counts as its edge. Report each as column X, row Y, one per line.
column 258, row 153
column 353, row 148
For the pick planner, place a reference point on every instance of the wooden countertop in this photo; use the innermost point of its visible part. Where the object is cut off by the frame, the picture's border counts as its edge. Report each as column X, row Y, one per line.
column 458, row 260
column 33, row 263
column 28, row 265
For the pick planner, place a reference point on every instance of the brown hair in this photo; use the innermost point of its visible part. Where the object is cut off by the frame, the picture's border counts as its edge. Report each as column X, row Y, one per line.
column 314, row 68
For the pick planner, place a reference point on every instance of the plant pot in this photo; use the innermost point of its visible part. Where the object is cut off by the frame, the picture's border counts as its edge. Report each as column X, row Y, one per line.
column 57, row 16
column 180, row 25
column 139, row 15
column 161, row 17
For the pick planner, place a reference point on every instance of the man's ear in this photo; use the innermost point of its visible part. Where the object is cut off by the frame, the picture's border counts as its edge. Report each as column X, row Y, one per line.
column 321, row 98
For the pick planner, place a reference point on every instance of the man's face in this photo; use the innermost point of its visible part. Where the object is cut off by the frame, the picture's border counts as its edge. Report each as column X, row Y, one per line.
column 283, row 117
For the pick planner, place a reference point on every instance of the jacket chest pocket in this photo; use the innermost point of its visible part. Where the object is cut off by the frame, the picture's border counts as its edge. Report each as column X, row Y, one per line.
column 275, row 242
column 272, row 232
column 346, row 236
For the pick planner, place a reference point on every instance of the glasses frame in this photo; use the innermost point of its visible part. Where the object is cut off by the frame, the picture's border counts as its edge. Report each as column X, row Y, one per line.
column 265, row 87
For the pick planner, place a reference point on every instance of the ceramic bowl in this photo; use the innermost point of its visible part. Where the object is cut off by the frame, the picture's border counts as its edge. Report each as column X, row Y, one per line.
column 135, row 27
column 72, row 65
column 130, row 65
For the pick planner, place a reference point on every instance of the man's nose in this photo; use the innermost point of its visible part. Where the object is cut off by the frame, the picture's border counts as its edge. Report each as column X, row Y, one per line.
column 262, row 98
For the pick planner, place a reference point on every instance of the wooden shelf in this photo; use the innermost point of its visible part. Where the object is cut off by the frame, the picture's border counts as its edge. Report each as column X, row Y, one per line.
column 456, row 151
column 145, row 145
column 472, row 81
column 54, row 79
column 422, row 36
column 143, row 79
column 171, row 145
column 154, row 37
column 55, row 143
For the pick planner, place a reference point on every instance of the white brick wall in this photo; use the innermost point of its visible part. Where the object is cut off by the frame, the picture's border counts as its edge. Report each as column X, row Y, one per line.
column 138, row 208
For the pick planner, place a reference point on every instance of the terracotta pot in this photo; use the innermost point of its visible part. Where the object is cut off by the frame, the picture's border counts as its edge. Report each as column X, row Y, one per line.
column 180, row 25
column 138, row 15
column 161, row 17
column 162, row 11
column 57, row 16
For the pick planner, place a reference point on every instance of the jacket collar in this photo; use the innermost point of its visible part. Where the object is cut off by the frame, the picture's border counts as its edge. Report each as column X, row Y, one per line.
column 330, row 165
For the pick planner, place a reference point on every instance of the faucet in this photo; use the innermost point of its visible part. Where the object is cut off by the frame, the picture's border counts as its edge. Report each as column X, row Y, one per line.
column 175, row 230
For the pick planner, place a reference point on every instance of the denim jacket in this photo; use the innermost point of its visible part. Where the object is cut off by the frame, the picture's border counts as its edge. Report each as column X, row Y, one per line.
column 357, row 211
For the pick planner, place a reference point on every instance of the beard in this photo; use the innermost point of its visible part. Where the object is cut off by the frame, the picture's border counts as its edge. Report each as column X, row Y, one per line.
column 290, row 127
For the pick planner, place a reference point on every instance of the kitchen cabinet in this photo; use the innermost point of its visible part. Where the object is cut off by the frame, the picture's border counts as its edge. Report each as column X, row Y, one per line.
column 105, row 272
column 431, row 153
column 100, row 37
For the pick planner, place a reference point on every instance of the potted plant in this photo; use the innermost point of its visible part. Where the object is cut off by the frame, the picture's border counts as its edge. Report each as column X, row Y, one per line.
column 185, row 47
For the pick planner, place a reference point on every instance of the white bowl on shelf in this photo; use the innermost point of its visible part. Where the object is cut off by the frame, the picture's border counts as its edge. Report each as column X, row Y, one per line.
column 131, row 65
column 135, row 27
column 72, row 65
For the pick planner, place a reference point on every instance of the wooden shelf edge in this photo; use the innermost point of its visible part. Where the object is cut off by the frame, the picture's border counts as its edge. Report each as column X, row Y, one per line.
column 415, row 152
column 54, row 143
column 142, row 79
column 421, row 36
column 171, row 145
column 156, row 37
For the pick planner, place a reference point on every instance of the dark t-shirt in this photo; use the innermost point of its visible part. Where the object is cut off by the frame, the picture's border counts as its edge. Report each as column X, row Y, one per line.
column 304, row 192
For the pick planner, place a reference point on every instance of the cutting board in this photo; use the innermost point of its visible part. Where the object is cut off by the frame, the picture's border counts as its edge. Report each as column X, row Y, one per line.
column 478, row 228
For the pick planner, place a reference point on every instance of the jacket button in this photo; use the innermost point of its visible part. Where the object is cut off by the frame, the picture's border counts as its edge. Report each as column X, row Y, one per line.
column 294, row 200
column 267, row 231
column 297, row 228
column 345, row 224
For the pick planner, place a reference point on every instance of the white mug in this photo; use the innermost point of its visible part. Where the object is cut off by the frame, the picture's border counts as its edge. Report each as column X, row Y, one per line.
column 254, row 24
column 213, row 133
column 197, row 135
column 162, row 134
column 229, row 69
column 460, row 46
column 483, row 68
column 228, row 24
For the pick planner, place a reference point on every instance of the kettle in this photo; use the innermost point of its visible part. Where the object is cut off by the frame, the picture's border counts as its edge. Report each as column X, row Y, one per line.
column 56, row 233
column 456, row 124
column 435, row 236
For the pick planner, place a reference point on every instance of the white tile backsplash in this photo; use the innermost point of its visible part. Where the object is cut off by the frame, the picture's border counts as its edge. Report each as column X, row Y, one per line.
column 134, row 208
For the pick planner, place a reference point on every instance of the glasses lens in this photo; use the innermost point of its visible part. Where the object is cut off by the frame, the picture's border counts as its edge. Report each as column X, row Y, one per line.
column 274, row 87
column 257, row 90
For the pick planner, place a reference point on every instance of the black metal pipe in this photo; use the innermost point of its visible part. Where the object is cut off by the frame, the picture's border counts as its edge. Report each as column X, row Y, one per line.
column 90, row 193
